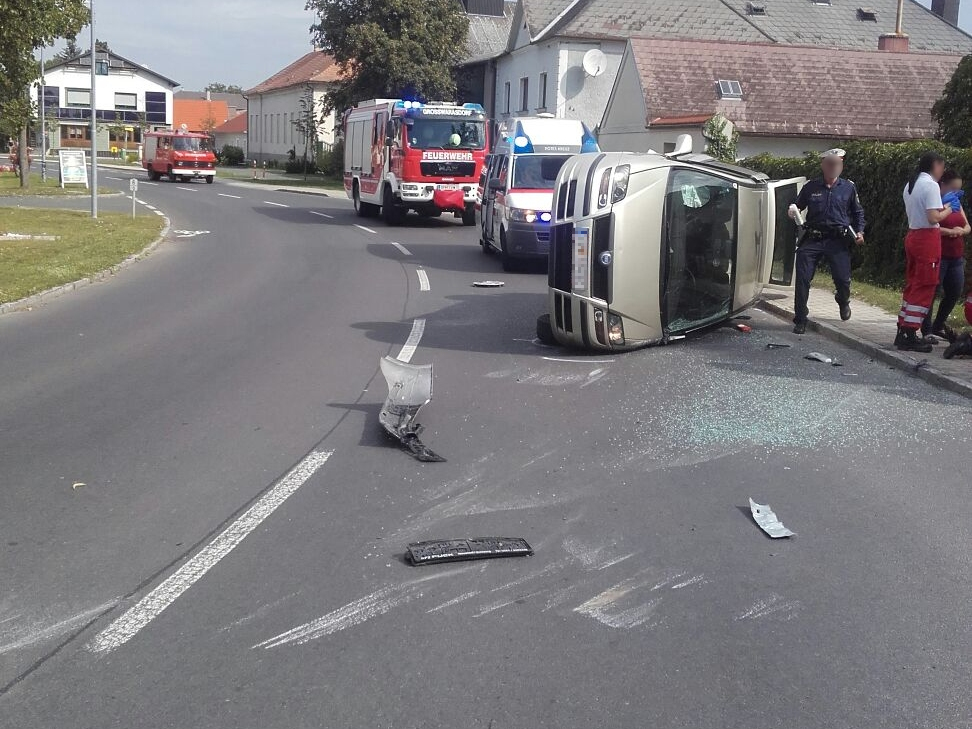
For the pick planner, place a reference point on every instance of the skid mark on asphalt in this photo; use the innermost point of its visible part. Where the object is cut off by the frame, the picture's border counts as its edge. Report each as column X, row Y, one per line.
column 772, row 605
column 151, row 606
column 594, row 557
column 39, row 632
column 548, row 375
column 259, row 612
column 454, row 601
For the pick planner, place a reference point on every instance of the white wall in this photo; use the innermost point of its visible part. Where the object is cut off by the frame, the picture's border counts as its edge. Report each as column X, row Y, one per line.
column 236, row 140
column 271, row 132
column 581, row 96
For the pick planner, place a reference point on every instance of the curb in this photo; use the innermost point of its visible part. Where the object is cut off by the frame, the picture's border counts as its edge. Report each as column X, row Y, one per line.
column 43, row 296
column 915, row 367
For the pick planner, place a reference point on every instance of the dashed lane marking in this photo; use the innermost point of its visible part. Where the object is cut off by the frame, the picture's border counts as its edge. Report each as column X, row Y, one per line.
column 366, row 230
column 187, row 189
column 144, row 182
column 403, row 249
column 412, row 343
column 322, row 215
column 119, row 179
column 151, row 606
column 276, row 205
column 157, row 212
column 423, row 278
column 223, row 194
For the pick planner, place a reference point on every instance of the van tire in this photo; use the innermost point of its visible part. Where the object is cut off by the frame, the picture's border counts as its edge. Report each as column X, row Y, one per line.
column 545, row 330
column 172, row 178
column 392, row 214
column 210, row 179
column 469, row 216
column 505, row 259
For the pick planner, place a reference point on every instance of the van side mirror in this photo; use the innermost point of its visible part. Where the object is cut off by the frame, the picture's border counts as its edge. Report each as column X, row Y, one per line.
column 495, row 185
column 389, row 133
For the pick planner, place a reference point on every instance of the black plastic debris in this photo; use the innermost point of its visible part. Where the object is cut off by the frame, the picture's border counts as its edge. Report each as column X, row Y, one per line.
column 459, row 550
column 768, row 521
column 409, row 390
column 777, row 345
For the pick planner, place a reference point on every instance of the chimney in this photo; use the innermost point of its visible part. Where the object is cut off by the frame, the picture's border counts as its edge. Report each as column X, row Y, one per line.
column 948, row 10
column 893, row 42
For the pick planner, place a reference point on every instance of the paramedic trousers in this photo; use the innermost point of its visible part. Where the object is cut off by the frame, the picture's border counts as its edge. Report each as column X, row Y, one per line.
column 811, row 250
column 951, row 279
column 923, row 254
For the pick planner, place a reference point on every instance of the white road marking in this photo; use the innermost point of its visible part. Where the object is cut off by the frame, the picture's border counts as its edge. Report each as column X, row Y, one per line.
column 150, row 207
column 412, row 343
column 152, row 605
column 366, row 230
column 580, row 360
column 423, row 278
column 223, row 194
column 276, row 205
column 402, row 248
column 114, row 178
column 322, row 215
column 187, row 189
column 157, row 212
column 144, row 182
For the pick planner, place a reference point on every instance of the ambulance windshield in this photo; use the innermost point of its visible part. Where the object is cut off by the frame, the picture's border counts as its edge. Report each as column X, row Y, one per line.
column 446, row 134
column 537, row 171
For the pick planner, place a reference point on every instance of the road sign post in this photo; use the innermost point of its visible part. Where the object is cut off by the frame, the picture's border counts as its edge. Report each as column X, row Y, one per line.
column 133, row 186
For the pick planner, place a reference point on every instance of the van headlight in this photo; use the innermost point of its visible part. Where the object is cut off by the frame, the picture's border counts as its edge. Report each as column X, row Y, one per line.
column 522, row 215
column 621, row 175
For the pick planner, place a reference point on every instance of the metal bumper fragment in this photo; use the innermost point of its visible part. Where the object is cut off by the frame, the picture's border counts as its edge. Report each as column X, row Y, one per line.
column 458, row 550
column 409, row 390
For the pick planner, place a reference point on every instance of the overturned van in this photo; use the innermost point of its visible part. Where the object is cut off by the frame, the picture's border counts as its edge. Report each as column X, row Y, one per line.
column 646, row 248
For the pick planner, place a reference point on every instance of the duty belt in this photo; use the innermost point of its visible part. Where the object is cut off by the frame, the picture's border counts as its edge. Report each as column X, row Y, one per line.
column 820, row 233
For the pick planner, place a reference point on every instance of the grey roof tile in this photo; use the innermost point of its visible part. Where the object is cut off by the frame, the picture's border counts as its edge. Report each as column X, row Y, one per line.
column 488, row 35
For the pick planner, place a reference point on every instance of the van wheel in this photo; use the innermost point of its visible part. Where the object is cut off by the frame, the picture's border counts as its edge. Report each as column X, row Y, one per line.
column 392, row 214
column 469, row 216
column 505, row 259
column 544, row 330
column 153, row 175
column 210, row 179
column 172, row 178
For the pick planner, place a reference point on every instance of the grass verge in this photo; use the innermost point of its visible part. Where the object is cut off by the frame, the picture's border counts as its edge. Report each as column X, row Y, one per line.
column 84, row 246
column 10, row 187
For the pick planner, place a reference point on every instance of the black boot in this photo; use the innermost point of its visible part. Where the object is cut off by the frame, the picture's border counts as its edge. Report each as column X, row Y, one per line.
column 961, row 346
column 908, row 341
column 845, row 310
column 800, row 327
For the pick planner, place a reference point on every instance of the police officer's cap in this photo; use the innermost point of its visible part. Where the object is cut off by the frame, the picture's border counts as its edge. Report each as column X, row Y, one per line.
column 835, row 152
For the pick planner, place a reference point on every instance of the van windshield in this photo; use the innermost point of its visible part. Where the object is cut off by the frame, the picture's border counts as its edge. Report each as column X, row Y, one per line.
column 446, row 134
column 537, row 171
column 190, row 144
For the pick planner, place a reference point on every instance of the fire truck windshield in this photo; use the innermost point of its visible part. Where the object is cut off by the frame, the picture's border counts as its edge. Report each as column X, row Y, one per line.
column 446, row 134
column 190, row 144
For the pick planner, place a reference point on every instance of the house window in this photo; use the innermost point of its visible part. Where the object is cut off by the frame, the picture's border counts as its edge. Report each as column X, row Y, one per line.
column 506, row 91
column 126, row 101
column 542, row 101
column 729, row 89
column 524, row 94
column 78, row 97
column 101, row 68
column 74, row 133
column 867, row 14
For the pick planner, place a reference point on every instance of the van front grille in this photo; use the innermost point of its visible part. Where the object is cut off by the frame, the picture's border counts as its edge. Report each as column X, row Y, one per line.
column 559, row 263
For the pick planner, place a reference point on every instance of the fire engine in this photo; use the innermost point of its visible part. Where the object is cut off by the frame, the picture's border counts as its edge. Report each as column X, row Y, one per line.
column 179, row 154
column 405, row 155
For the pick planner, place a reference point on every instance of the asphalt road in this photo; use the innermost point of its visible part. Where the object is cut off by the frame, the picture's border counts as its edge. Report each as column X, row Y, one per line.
column 234, row 557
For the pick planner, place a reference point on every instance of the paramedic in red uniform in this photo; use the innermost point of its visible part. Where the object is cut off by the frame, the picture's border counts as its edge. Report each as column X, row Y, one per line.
column 951, row 278
column 923, row 250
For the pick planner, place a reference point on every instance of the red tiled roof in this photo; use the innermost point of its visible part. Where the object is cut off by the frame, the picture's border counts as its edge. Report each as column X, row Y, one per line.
column 236, row 125
column 315, row 67
column 795, row 91
column 197, row 114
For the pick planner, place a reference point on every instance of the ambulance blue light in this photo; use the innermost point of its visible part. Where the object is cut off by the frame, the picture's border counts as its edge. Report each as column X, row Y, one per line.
column 588, row 142
column 474, row 107
column 521, row 142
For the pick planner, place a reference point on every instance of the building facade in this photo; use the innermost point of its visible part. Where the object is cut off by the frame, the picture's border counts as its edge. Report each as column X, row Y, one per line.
column 287, row 103
column 129, row 100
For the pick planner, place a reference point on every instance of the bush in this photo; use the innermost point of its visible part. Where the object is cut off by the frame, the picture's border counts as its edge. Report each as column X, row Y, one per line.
column 295, row 167
column 331, row 162
column 231, row 155
column 880, row 171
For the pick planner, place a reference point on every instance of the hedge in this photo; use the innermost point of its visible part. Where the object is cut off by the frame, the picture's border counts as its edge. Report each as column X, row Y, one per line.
column 880, row 171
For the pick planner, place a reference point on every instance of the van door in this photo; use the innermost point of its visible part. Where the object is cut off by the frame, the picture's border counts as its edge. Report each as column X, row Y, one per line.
column 496, row 198
column 779, row 234
column 699, row 250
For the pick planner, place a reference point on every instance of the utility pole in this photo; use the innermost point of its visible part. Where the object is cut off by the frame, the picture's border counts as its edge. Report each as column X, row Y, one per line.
column 94, row 119
column 43, row 120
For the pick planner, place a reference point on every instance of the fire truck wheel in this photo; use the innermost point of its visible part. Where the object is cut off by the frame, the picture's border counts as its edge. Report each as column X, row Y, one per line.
column 392, row 214
column 210, row 179
column 469, row 216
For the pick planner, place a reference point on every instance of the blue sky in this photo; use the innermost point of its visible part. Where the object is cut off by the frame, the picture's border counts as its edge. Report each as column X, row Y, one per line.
column 232, row 41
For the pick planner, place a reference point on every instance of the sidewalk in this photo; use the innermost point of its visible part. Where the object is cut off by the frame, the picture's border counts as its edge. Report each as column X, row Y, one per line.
column 871, row 330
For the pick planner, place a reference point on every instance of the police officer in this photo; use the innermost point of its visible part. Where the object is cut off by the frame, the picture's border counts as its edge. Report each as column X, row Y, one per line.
column 835, row 222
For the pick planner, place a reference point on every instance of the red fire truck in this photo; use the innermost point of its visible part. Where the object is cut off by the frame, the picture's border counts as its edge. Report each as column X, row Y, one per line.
column 404, row 155
column 180, row 155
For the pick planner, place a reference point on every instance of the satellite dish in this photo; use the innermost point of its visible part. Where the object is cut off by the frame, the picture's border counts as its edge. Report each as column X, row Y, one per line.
column 594, row 62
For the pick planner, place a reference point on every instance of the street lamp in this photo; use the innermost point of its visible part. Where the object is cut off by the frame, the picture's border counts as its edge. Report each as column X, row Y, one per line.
column 94, row 119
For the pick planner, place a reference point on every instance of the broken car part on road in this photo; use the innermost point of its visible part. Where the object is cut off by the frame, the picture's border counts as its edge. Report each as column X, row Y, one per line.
column 459, row 550
column 409, row 390
column 768, row 521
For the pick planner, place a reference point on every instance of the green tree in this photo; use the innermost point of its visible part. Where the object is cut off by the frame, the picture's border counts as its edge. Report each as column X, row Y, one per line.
column 721, row 138
column 953, row 111
column 390, row 48
column 306, row 123
column 220, row 88
column 25, row 26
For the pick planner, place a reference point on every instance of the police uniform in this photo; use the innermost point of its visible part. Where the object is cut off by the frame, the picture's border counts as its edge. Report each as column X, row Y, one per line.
column 831, row 210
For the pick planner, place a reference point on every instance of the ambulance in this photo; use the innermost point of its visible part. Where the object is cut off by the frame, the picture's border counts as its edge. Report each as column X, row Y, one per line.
column 179, row 155
column 647, row 248
column 404, row 155
column 517, row 190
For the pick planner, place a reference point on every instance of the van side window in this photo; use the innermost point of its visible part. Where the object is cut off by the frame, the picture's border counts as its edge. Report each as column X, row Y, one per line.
column 503, row 165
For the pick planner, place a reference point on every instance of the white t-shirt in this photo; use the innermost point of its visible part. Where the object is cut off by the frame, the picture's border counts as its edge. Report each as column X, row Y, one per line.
column 926, row 196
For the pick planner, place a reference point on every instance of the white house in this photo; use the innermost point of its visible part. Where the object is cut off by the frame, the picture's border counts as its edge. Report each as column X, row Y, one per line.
column 543, row 67
column 275, row 107
column 129, row 99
